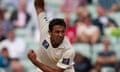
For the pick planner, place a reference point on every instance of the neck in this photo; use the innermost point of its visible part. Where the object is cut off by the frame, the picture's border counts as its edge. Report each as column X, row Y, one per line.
column 11, row 40
column 54, row 44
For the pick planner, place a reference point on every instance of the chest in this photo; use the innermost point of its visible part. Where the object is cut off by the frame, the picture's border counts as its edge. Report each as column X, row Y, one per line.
column 55, row 54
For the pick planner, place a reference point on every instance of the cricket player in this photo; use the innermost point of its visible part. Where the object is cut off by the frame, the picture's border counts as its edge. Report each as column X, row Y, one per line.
column 55, row 53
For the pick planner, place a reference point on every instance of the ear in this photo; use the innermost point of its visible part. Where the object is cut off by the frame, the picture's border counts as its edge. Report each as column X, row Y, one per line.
column 49, row 32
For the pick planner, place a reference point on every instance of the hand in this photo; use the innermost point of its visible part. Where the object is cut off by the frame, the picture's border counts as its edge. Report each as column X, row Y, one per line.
column 32, row 56
column 39, row 6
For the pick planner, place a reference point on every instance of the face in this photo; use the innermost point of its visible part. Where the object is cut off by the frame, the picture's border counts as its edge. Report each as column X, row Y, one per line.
column 57, row 34
column 11, row 35
column 86, row 19
column 106, row 43
column 100, row 11
column 22, row 4
column 5, row 53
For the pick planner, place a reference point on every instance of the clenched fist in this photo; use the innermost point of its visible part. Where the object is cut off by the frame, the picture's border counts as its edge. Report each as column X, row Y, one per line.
column 39, row 5
column 32, row 56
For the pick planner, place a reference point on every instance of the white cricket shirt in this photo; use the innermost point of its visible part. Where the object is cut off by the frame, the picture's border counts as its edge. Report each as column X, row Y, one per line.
column 61, row 57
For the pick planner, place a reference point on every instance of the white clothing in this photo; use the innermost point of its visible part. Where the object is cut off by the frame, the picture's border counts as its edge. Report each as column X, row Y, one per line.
column 15, row 48
column 21, row 19
column 61, row 57
column 87, row 30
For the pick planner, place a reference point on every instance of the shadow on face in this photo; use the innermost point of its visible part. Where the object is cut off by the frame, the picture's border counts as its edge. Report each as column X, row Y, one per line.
column 100, row 11
column 106, row 43
column 57, row 34
column 4, row 52
column 22, row 4
column 11, row 35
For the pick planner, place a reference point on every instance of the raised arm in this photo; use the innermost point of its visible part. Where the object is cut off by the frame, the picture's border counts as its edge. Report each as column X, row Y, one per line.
column 39, row 6
column 43, row 67
column 42, row 19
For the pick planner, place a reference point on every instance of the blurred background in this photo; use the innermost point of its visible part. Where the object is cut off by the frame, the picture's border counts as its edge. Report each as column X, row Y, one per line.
column 93, row 28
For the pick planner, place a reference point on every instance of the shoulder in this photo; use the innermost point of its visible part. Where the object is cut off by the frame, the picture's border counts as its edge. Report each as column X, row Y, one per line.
column 112, row 52
column 67, row 46
column 66, row 43
column 4, row 41
column 19, row 39
column 1, row 57
column 42, row 15
column 100, row 53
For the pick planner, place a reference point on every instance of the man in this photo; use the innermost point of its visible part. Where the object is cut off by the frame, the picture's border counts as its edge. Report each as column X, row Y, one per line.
column 4, row 58
column 102, row 20
column 20, row 18
column 82, row 63
column 55, row 53
column 86, row 31
column 107, row 58
column 16, row 46
column 109, row 5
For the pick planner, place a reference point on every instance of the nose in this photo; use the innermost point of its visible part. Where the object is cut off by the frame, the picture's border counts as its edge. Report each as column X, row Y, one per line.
column 61, row 34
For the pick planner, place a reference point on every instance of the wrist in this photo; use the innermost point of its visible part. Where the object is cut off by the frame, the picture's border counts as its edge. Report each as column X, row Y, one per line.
column 34, row 60
column 39, row 10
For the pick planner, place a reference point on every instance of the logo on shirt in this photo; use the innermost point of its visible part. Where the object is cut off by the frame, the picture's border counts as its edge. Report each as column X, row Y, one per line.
column 45, row 44
column 45, row 18
column 66, row 61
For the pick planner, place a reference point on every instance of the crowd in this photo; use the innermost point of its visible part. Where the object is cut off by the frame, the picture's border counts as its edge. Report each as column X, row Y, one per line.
column 19, row 31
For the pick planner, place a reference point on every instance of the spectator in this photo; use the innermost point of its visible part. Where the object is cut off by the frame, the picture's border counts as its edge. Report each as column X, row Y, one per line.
column 20, row 17
column 80, row 13
column 112, row 25
column 4, row 58
column 16, row 46
column 102, row 20
column 86, row 32
column 106, row 58
column 108, row 5
column 5, row 22
column 68, row 6
column 70, row 30
column 82, row 64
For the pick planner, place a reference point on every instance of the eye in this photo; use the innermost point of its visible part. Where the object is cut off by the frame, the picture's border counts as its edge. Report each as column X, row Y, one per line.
column 63, row 31
column 57, row 32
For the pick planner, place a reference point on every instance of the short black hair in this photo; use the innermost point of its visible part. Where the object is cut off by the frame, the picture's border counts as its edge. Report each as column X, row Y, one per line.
column 56, row 21
column 4, row 49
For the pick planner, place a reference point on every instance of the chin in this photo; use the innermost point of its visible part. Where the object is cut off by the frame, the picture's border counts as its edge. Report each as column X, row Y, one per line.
column 60, row 42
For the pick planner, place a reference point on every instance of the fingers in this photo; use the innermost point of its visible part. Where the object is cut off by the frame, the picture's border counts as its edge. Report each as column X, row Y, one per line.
column 31, row 52
column 39, row 3
column 32, row 56
column 39, row 6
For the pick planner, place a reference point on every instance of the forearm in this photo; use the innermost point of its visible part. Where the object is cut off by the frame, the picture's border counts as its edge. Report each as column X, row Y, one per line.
column 94, row 37
column 45, row 68
column 101, row 60
column 84, row 38
column 111, row 60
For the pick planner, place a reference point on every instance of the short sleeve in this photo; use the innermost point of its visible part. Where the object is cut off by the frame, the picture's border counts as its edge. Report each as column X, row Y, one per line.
column 67, row 59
